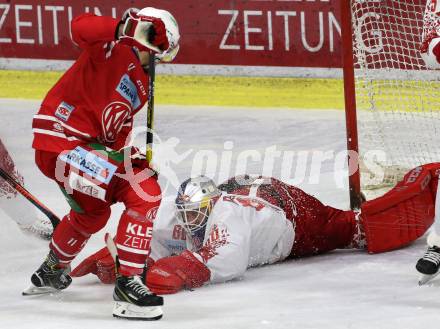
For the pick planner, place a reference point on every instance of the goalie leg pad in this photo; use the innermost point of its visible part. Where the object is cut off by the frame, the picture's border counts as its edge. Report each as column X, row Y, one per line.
column 133, row 242
column 400, row 216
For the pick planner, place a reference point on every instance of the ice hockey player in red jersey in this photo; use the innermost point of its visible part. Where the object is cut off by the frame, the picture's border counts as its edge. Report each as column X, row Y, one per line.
column 430, row 47
column 83, row 123
column 216, row 233
column 17, row 207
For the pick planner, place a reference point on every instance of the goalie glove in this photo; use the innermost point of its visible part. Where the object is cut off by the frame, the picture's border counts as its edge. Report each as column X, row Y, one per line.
column 100, row 263
column 172, row 274
column 139, row 160
column 143, row 32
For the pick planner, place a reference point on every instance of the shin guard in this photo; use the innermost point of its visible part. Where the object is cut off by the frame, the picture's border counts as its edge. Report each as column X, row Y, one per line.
column 67, row 242
column 133, row 242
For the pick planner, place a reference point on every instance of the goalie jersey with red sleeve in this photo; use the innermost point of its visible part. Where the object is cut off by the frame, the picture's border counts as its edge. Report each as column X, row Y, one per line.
column 95, row 100
column 245, row 231
column 242, row 231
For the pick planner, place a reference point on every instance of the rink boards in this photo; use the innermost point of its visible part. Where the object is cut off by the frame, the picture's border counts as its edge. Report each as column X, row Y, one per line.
column 293, row 93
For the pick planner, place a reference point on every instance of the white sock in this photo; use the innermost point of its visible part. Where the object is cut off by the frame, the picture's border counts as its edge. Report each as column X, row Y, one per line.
column 433, row 239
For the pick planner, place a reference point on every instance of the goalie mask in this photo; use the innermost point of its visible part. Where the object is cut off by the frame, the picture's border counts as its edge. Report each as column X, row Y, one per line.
column 194, row 202
column 172, row 28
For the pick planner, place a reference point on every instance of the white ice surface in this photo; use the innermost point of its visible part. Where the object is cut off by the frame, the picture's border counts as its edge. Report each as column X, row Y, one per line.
column 342, row 289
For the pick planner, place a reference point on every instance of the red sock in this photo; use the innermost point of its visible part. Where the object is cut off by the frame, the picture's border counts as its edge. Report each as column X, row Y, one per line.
column 133, row 242
column 67, row 242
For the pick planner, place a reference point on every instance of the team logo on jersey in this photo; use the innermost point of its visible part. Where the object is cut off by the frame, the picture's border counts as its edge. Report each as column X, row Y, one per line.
column 58, row 127
column 218, row 237
column 90, row 164
column 64, row 111
column 113, row 117
column 152, row 213
column 127, row 89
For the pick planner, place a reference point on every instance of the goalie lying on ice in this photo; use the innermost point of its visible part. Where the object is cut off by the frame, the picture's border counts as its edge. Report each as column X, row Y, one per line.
column 216, row 233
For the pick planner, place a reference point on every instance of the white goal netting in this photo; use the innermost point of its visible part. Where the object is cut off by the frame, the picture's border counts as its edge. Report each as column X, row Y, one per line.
column 398, row 98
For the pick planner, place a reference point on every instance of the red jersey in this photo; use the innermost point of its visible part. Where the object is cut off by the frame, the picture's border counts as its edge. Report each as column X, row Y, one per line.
column 96, row 99
column 277, row 193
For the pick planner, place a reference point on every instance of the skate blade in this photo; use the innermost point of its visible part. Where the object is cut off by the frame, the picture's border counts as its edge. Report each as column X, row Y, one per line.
column 425, row 278
column 129, row 311
column 33, row 291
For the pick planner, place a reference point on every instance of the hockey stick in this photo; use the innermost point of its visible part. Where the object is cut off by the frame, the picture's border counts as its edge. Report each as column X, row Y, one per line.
column 20, row 189
column 150, row 109
column 111, row 246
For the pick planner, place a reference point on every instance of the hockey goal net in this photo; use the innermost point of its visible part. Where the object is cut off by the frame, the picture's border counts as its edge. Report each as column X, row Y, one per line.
column 397, row 97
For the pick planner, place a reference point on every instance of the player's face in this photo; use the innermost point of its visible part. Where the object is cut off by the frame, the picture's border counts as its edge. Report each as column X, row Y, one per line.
column 195, row 217
column 144, row 57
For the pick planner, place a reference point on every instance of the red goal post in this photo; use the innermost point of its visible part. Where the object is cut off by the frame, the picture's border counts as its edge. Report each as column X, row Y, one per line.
column 392, row 100
column 350, row 102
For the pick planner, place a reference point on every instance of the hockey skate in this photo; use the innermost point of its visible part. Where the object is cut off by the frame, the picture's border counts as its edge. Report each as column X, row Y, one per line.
column 429, row 265
column 133, row 300
column 49, row 277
